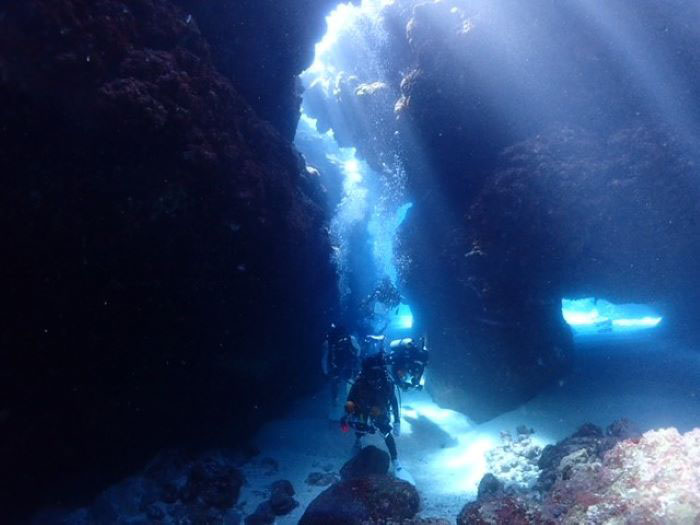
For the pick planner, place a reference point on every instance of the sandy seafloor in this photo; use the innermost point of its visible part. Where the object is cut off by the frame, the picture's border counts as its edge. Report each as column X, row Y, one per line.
column 653, row 384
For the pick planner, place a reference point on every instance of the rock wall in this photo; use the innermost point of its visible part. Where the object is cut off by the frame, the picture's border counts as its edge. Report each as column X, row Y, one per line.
column 167, row 276
column 549, row 171
column 261, row 46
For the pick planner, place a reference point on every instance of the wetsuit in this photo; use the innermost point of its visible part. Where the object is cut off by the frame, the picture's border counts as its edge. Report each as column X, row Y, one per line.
column 373, row 398
column 408, row 358
column 341, row 362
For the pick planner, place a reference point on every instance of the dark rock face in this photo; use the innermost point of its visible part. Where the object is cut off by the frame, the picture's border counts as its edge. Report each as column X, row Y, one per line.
column 358, row 501
column 162, row 246
column 277, row 40
column 370, row 460
column 321, row 479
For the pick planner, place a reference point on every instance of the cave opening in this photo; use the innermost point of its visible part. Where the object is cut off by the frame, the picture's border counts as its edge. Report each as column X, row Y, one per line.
column 364, row 183
column 594, row 317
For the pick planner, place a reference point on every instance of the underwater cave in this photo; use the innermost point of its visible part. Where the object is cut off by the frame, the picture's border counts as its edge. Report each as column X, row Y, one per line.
column 325, row 262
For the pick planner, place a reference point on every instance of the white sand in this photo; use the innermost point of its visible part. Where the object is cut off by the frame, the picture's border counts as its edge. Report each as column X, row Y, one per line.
column 650, row 383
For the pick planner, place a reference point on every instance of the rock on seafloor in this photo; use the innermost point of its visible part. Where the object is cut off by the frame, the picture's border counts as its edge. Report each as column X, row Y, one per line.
column 373, row 499
column 282, row 497
column 365, row 494
column 370, row 460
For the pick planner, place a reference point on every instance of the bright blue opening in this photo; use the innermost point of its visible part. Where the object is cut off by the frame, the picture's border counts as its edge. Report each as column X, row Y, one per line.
column 591, row 316
column 403, row 319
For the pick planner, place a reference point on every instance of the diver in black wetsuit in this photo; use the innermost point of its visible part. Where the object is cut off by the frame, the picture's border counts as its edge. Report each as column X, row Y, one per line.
column 371, row 403
column 378, row 305
column 341, row 361
column 372, row 345
column 408, row 359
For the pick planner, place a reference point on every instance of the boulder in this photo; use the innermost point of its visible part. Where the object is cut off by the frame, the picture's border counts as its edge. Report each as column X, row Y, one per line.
column 489, row 487
column 282, row 497
column 370, row 460
column 361, row 500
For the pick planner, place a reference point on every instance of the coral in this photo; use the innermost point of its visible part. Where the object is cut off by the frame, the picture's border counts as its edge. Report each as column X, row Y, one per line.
column 515, row 461
column 588, row 443
column 654, row 480
column 595, row 478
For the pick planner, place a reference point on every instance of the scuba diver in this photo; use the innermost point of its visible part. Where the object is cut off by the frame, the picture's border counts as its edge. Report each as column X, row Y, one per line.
column 372, row 345
column 378, row 305
column 371, row 402
column 340, row 362
column 408, row 359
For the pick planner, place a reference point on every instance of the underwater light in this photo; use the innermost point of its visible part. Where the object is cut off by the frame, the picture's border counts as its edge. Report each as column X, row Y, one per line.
column 344, row 16
column 474, row 456
column 436, row 414
column 402, row 212
column 582, row 318
column 592, row 316
column 353, row 174
column 403, row 317
column 644, row 322
column 352, row 166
